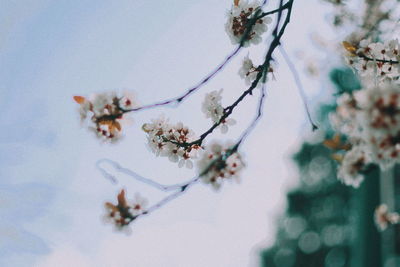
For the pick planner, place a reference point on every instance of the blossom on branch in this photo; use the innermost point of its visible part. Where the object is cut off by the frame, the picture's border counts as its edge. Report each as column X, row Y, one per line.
column 370, row 118
column 384, row 218
column 213, row 109
column 248, row 71
column 104, row 113
column 218, row 164
column 172, row 141
column 239, row 18
column 377, row 60
column 344, row 120
column 380, row 117
column 352, row 165
column 124, row 212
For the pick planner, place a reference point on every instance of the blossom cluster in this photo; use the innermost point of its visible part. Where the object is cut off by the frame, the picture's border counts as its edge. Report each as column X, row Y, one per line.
column 218, row 164
column 213, row 109
column 370, row 118
column 380, row 60
column 104, row 113
column 172, row 141
column 384, row 218
column 122, row 213
column 239, row 17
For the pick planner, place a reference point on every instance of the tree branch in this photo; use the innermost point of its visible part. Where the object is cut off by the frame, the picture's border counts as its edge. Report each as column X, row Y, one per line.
column 299, row 85
column 182, row 188
column 136, row 176
column 179, row 99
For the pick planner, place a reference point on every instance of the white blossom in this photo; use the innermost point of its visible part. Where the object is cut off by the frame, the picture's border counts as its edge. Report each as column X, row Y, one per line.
column 171, row 141
column 248, row 71
column 213, row 109
column 138, row 205
column 383, row 217
column 238, row 18
column 351, row 167
column 379, row 109
column 344, row 120
column 219, row 164
column 105, row 113
column 370, row 118
column 379, row 61
column 125, row 211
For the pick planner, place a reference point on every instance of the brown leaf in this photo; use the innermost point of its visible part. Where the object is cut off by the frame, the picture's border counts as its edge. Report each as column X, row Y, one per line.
column 117, row 125
column 107, row 122
column 121, row 199
column 349, row 47
column 110, row 206
column 79, row 99
column 333, row 143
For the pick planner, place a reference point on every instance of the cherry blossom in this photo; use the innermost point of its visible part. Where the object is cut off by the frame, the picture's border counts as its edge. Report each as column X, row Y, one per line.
column 384, row 218
column 238, row 19
column 353, row 163
column 248, row 71
column 377, row 60
column 213, row 109
column 138, row 205
column 344, row 120
column 172, row 141
column 379, row 110
column 370, row 118
column 104, row 113
column 124, row 212
column 218, row 164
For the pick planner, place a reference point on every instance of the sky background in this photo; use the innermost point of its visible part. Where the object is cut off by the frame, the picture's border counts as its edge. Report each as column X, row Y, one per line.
column 51, row 194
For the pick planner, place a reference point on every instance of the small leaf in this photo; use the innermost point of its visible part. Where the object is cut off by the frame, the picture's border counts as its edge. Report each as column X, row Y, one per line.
column 111, row 206
column 79, row 99
column 121, row 199
column 349, row 47
column 117, row 125
column 107, row 122
column 334, row 143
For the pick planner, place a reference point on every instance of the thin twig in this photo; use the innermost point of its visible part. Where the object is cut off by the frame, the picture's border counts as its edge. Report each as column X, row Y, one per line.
column 179, row 99
column 136, row 176
column 285, row 6
column 377, row 59
column 256, row 118
column 299, row 85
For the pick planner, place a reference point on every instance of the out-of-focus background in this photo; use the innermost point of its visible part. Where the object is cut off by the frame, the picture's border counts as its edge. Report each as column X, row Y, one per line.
column 51, row 194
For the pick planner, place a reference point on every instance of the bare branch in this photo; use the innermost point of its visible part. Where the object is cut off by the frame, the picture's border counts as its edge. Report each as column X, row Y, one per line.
column 299, row 85
column 136, row 176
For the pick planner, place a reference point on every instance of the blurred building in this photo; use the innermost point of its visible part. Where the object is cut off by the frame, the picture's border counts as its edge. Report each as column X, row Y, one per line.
column 328, row 224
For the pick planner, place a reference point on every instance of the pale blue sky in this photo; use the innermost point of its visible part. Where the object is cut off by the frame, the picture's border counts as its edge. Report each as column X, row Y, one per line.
column 51, row 195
